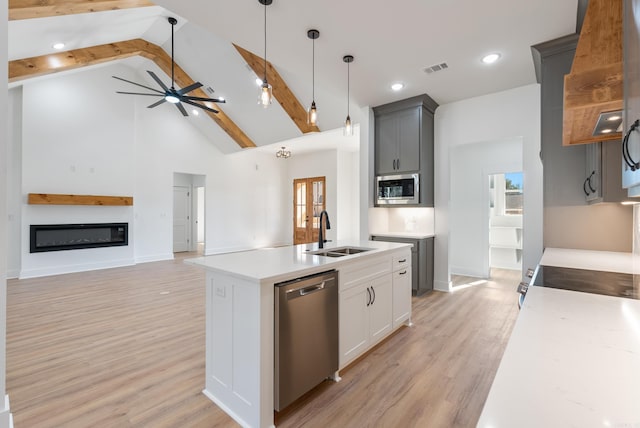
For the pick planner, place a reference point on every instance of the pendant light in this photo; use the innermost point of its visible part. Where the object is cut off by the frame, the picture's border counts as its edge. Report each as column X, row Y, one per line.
column 266, row 95
column 312, row 114
column 283, row 153
column 348, row 127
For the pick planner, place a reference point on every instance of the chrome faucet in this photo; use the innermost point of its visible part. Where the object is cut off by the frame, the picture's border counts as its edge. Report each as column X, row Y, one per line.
column 321, row 239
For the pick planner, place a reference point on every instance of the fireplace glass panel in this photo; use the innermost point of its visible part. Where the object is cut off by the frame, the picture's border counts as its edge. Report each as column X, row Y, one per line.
column 57, row 237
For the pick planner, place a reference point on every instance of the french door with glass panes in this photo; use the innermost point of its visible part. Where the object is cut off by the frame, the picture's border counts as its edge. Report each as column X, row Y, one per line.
column 308, row 202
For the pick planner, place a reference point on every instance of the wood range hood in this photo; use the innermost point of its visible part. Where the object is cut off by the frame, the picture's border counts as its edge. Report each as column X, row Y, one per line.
column 595, row 84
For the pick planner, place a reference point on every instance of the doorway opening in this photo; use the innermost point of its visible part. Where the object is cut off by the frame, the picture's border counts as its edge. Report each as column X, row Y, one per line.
column 189, row 213
column 309, row 200
column 505, row 220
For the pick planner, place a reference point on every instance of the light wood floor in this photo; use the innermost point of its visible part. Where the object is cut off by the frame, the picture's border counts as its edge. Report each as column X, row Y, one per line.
column 125, row 348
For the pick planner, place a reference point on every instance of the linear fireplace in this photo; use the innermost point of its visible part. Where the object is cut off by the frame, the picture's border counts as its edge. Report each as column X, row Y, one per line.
column 58, row 237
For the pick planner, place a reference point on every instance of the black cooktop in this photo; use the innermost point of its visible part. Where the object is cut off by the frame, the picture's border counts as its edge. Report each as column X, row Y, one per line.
column 589, row 281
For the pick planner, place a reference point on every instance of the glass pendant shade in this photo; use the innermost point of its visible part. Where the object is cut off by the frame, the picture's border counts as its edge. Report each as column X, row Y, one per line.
column 348, row 127
column 266, row 95
column 312, row 115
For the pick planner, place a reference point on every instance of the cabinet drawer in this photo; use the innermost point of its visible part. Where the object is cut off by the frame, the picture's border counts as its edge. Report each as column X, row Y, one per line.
column 366, row 270
column 401, row 261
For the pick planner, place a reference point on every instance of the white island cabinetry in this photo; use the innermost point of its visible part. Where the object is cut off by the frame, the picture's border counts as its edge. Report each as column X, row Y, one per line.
column 240, row 315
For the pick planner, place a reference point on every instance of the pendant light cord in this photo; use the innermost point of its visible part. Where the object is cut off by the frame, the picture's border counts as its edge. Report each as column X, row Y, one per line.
column 172, row 62
column 265, row 42
column 348, row 86
column 313, row 71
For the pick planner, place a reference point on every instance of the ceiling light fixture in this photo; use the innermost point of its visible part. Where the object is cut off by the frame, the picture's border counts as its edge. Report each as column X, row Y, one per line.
column 283, row 153
column 195, row 112
column 348, row 127
column 266, row 91
column 58, row 46
column 397, row 86
column 491, row 58
column 312, row 114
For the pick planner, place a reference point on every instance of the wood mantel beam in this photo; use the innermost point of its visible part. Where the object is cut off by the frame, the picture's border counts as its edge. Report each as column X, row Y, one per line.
column 281, row 91
column 26, row 68
column 28, row 9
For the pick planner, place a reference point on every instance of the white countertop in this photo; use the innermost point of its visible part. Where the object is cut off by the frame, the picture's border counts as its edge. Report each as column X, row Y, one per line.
column 573, row 360
column 277, row 264
column 606, row 261
column 414, row 235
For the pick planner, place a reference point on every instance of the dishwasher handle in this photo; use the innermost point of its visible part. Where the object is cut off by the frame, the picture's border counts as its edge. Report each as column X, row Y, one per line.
column 304, row 291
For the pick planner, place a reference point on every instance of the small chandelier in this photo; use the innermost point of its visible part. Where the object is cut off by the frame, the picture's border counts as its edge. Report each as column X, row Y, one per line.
column 348, row 126
column 266, row 95
column 283, row 153
column 312, row 114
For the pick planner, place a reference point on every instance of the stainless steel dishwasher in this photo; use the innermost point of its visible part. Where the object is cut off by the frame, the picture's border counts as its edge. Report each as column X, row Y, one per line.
column 306, row 335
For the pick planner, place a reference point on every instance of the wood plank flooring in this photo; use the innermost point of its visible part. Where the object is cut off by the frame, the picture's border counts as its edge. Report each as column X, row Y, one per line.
column 125, row 348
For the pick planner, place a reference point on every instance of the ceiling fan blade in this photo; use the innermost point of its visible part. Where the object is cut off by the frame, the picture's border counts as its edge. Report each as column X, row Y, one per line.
column 139, row 93
column 199, row 106
column 137, row 84
column 190, row 88
column 158, row 81
column 156, row 104
column 213, row 100
column 181, row 108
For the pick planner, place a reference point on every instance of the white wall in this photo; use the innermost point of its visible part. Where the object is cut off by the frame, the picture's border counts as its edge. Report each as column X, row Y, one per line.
column 4, row 404
column 78, row 136
column 469, row 200
column 495, row 117
column 348, row 195
column 14, row 181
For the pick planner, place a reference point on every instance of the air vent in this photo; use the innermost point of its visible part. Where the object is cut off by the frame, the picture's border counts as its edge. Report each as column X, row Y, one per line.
column 437, row 67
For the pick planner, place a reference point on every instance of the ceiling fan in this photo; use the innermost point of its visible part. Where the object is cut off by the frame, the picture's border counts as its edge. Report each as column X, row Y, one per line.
column 171, row 94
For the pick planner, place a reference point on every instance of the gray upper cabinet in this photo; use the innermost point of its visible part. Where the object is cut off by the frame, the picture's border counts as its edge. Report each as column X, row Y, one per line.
column 397, row 142
column 404, row 141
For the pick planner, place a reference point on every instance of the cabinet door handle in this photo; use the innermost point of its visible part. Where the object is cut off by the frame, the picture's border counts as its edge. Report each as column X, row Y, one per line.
column 394, row 164
column 625, row 147
column 403, row 273
column 589, row 182
column 402, row 261
column 369, row 297
column 398, row 163
column 584, row 186
column 374, row 295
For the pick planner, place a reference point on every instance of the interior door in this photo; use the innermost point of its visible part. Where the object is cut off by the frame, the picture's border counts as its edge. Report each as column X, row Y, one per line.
column 308, row 202
column 181, row 219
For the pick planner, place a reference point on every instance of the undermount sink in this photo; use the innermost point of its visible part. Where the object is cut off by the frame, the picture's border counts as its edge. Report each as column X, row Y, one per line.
column 338, row 252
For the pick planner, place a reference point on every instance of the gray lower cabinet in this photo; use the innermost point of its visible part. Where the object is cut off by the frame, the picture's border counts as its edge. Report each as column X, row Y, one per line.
column 421, row 261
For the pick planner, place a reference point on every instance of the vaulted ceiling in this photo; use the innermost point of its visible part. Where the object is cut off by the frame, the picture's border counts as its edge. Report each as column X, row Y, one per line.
column 391, row 41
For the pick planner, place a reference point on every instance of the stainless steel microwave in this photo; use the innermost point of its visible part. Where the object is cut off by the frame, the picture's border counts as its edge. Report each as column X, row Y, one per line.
column 398, row 189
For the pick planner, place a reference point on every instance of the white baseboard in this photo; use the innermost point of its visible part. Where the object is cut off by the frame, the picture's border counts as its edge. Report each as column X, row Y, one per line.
column 13, row 273
column 6, row 418
column 59, row 270
column 154, row 258
column 442, row 286
column 457, row 270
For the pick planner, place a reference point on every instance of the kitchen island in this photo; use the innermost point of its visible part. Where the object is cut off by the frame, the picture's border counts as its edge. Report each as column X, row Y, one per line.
column 573, row 358
column 240, row 314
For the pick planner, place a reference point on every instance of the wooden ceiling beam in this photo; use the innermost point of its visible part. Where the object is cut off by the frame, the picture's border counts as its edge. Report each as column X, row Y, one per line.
column 281, row 91
column 28, row 9
column 23, row 69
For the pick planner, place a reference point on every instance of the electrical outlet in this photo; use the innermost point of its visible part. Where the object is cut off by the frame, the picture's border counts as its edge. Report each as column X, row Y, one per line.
column 220, row 290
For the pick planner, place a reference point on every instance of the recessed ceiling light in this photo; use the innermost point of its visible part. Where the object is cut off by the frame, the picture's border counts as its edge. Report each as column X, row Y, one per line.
column 258, row 81
column 491, row 58
column 606, row 131
column 612, row 118
column 58, row 46
column 397, row 86
column 195, row 112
